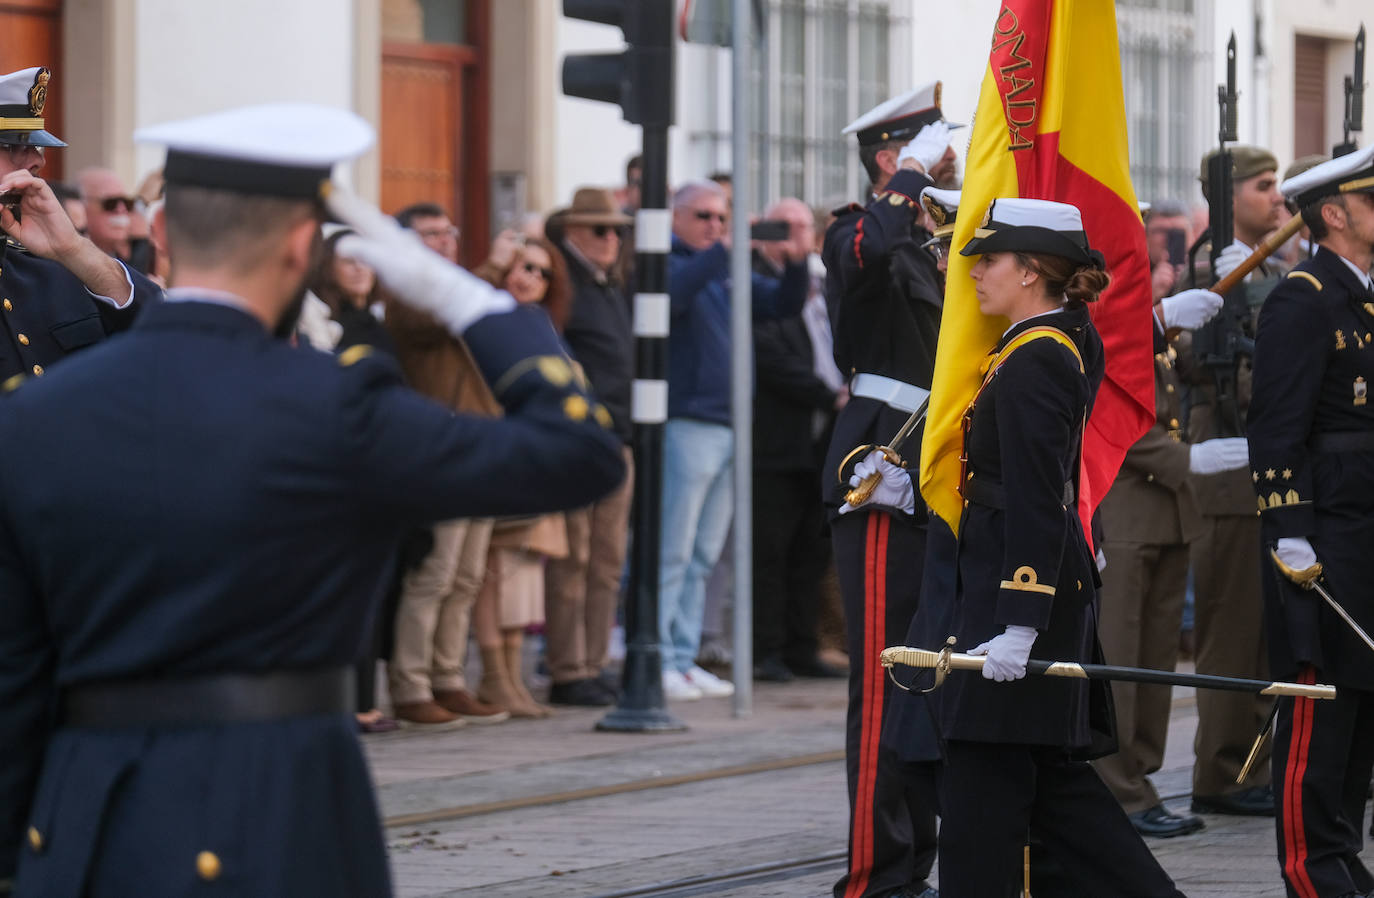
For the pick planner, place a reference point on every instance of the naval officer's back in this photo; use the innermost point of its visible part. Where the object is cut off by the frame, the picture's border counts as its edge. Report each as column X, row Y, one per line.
column 197, row 521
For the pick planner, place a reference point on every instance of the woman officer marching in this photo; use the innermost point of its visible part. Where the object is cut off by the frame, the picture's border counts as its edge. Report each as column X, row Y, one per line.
column 1016, row 752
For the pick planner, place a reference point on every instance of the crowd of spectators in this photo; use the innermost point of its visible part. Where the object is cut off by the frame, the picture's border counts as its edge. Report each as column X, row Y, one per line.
column 562, row 577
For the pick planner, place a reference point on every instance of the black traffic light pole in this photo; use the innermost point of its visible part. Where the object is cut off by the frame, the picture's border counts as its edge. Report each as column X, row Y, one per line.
column 640, row 79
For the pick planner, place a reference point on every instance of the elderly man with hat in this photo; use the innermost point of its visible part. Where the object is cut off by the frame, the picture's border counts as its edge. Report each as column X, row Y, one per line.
column 61, row 293
column 1225, row 563
column 583, row 589
column 175, row 696
column 886, row 293
column 1311, row 430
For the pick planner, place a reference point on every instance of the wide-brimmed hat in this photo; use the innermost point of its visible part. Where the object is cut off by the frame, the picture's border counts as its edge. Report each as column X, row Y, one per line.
column 594, row 206
column 1013, row 224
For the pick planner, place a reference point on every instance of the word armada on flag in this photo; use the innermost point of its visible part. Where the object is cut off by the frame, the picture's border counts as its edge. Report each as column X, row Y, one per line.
column 1050, row 125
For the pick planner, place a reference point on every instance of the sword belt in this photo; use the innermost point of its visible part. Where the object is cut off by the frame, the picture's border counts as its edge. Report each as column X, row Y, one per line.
column 209, row 699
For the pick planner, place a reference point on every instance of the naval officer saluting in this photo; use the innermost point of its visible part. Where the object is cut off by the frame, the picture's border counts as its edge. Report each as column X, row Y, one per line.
column 59, row 292
column 174, row 690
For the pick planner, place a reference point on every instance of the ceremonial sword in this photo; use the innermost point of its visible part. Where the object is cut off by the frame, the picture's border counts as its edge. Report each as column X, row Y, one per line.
column 1307, row 580
column 859, row 494
column 942, row 662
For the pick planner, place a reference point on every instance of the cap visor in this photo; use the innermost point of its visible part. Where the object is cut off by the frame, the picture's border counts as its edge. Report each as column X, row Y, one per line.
column 38, row 138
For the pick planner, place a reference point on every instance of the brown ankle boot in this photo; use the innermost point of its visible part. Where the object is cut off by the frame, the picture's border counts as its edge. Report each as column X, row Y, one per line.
column 515, row 669
column 496, row 687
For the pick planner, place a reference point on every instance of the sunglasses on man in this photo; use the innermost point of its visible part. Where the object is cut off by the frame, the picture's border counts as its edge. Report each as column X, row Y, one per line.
column 602, row 231
column 707, row 215
column 117, row 203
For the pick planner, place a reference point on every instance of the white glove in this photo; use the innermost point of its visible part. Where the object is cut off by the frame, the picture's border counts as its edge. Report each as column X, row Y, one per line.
column 1190, row 309
column 1007, row 653
column 1296, row 552
column 894, row 488
column 1214, row 456
column 1230, row 260
column 1101, row 559
column 420, row 277
column 927, row 147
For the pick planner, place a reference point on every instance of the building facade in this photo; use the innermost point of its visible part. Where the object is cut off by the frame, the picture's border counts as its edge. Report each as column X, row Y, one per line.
column 466, row 97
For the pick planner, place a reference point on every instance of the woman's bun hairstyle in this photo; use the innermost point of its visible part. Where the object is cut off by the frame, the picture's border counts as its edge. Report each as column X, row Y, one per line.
column 1086, row 284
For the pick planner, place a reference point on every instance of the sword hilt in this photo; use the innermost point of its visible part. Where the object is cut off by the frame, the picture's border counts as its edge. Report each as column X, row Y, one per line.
column 861, row 493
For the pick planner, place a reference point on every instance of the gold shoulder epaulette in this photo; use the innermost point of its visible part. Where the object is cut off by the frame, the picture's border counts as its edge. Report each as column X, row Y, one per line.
column 354, row 354
column 1305, row 276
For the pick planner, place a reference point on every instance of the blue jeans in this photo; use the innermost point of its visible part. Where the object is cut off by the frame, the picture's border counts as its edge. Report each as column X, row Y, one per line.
column 696, row 518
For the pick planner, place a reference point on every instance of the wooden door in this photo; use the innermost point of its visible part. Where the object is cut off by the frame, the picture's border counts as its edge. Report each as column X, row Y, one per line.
column 31, row 34
column 1309, row 96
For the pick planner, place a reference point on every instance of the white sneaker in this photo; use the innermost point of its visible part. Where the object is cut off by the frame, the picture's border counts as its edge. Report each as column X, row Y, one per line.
column 678, row 688
column 709, row 684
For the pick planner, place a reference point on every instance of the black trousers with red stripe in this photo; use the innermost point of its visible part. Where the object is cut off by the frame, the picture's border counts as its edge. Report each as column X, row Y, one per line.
column 879, row 559
column 1323, row 756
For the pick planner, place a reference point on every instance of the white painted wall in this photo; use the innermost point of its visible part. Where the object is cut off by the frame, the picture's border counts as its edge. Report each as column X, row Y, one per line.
column 1337, row 20
column 199, row 57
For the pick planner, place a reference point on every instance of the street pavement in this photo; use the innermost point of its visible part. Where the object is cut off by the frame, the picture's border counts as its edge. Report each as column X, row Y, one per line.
column 552, row 807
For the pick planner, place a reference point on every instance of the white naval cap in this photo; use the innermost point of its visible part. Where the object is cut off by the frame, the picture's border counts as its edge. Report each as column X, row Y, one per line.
column 22, row 95
column 900, row 118
column 1013, row 224
column 1351, row 173
column 277, row 149
column 942, row 206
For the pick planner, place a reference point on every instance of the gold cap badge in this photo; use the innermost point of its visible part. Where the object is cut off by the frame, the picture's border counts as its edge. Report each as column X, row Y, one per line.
column 38, row 94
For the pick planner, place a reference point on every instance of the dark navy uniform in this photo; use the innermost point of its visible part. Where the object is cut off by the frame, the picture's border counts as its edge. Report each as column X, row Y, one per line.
column 1015, row 753
column 48, row 313
column 1311, row 430
column 887, row 296
column 199, row 499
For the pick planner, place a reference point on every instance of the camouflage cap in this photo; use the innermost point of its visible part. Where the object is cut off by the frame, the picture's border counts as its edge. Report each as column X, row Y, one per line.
column 1246, row 162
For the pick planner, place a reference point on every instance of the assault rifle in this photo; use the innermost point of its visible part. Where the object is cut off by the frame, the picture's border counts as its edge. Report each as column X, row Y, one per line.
column 1219, row 345
column 1354, row 100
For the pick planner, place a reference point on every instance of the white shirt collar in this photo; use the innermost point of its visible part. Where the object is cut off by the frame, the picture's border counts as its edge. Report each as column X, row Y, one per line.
column 1362, row 275
column 1030, row 317
column 202, row 294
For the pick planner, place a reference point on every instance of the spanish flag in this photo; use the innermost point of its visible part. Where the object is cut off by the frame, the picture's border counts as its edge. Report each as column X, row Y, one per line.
column 1051, row 124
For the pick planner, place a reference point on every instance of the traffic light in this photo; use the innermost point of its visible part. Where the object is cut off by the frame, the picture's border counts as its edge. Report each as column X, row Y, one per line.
column 639, row 78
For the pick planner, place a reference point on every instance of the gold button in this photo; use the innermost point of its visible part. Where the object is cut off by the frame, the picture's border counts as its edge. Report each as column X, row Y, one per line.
column 1150, row 478
column 1168, row 388
column 9, row 306
column 1080, row 583
column 35, row 839
column 23, row 340
column 207, row 865
column 38, row 370
column 1173, row 422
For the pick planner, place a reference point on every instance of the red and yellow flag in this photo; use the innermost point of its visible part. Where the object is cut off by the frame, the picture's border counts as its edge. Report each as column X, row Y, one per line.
column 1051, row 125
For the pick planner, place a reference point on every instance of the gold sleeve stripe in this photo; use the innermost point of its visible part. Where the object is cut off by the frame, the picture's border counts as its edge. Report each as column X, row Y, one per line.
column 1305, row 276
column 1024, row 580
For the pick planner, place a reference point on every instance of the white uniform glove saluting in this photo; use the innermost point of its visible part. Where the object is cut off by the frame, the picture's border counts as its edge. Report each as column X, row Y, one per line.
column 927, row 147
column 894, row 489
column 1190, row 309
column 419, row 277
column 1007, row 653
column 1215, row 456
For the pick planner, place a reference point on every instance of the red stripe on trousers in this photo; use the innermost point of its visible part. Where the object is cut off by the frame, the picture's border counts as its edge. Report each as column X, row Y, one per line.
column 1294, row 833
column 875, row 587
